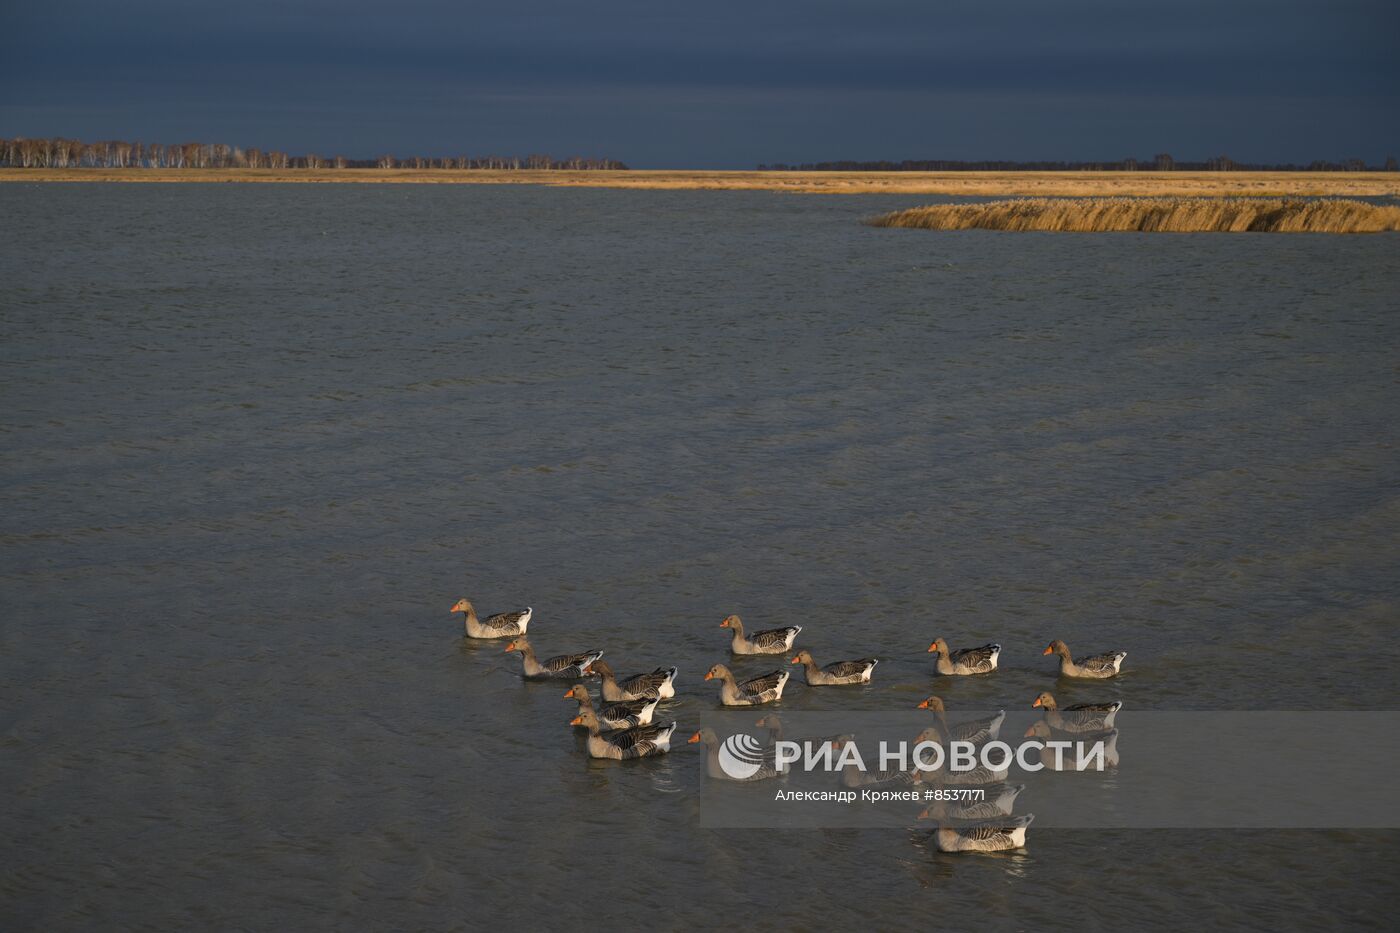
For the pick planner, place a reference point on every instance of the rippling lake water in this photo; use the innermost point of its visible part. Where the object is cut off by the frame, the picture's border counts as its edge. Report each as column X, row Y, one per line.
column 258, row 438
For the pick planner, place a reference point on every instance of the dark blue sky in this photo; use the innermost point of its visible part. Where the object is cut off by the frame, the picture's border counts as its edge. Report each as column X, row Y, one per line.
column 716, row 84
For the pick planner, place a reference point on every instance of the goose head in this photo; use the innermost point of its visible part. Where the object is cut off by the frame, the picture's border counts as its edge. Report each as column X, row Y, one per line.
column 704, row 734
column 718, row 671
column 1037, row 730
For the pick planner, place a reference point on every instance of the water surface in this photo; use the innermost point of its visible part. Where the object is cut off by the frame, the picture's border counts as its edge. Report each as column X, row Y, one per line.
column 258, row 438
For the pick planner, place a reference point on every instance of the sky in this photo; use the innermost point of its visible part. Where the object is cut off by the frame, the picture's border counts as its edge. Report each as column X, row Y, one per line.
column 718, row 84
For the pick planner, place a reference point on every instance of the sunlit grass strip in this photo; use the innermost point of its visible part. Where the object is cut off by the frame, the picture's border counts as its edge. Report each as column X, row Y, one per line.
column 1157, row 215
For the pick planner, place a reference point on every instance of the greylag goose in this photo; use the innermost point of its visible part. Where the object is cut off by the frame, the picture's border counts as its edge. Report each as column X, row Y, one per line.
column 977, row 776
column 997, row 801
column 762, row 689
column 977, row 731
column 660, row 684
column 1081, row 717
column 1097, row 666
column 562, row 667
column 1068, row 760
column 838, row 673
column 623, row 715
column 500, row 625
column 637, row 742
column 769, row 641
column 981, row 660
column 992, row 836
column 747, row 759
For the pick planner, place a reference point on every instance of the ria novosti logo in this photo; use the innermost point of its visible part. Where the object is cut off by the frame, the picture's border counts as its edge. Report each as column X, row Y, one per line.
column 741, row 756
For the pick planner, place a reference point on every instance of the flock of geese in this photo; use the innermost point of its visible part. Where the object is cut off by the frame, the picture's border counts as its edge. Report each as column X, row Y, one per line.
column 621, row 726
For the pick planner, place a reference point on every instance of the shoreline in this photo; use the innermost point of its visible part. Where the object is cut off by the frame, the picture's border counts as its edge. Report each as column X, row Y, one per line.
column 969, row 184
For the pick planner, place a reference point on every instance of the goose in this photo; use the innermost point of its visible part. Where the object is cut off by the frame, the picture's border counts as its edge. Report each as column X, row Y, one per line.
column 1096, row 666
column 500, row 625
column 1081, row 717
column 992, row 836
column 660, row 684
column 979, row 775
column 774, row 725
column 766, row 759
column 1069, row 757
column 769, row 641
column 977, row 731
column 981, row 660
column 841, row 672
column 564, row 667
column 637, row 742
column 997, row 801
column 618, row 715
column 753, row 692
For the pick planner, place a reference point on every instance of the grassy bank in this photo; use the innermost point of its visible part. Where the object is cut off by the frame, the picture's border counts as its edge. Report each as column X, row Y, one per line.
column 1160, row 215
column 985, row 184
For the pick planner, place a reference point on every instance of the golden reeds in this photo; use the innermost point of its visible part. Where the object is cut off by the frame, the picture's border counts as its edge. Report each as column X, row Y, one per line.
column 1160, row 215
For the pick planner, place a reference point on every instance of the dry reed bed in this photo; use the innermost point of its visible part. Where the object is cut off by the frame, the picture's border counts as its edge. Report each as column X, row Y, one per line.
column 1159, row 215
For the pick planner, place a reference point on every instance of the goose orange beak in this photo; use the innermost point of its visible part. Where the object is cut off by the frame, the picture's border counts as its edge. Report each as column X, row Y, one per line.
column 932, row 647
column 576, row 721
column 569, row 695
column 509, row 647
column 795, row 661
column 724, row 624
column 1036, row 704
column 709, row 675
column 1048, row 651
column 923, row 705
column 693, row 739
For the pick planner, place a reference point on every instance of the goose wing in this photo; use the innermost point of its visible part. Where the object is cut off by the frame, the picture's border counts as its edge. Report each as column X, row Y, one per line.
column 763, row 683
column 1089, row 717
column 982, row 658
column 978, row 731
column 640, row 741
column 995, row 829
column 1108, row 661
column 849, row 668
column 648, row 685
column 1113, row 707
column 505, row 623
column 569, row 662
column 618, row 712
column 775, row 637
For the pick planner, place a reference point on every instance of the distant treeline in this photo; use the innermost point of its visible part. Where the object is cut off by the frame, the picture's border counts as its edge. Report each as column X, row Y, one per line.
column 1158, row 163
column 116, row 153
